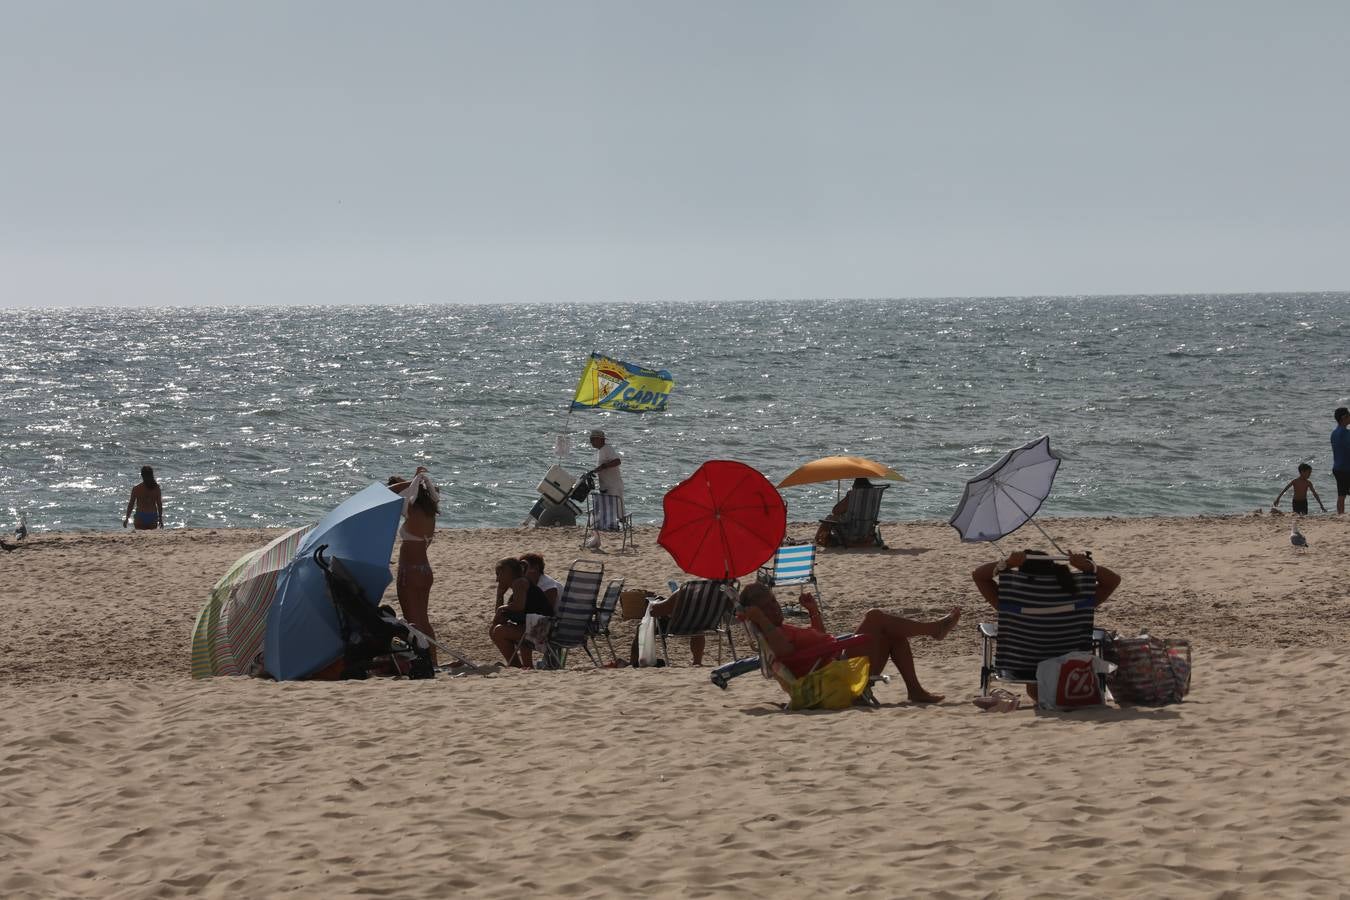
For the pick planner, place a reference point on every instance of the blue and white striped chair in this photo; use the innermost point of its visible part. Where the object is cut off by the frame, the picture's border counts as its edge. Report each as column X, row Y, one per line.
column 792, row 565
column 605, row 512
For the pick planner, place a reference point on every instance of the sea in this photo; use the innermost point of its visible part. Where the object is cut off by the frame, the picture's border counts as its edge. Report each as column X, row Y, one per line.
column 269, row 416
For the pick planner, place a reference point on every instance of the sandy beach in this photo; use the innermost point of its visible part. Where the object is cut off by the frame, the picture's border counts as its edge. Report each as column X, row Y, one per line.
column 120, row 776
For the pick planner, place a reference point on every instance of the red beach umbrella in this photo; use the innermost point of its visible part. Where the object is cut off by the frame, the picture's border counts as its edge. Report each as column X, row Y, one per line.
column 724, row 521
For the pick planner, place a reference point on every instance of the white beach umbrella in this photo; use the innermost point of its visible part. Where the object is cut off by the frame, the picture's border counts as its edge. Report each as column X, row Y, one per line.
column 1005, row 496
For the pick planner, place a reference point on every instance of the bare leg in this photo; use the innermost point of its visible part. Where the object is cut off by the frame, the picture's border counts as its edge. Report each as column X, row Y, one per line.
column 507, row 638
column 891, row 636
column 414, row 598
column 696, row 644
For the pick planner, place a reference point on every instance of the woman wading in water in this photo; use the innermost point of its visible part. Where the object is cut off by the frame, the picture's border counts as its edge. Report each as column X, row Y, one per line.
column 147, row 501
column 421, row 504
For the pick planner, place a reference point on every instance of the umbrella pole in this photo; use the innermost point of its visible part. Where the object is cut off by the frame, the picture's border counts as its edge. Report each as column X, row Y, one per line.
column 1030, row 518
column 1047, row 536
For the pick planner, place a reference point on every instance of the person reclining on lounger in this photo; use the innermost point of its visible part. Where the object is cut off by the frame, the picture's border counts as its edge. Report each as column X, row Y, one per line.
column 889, row 635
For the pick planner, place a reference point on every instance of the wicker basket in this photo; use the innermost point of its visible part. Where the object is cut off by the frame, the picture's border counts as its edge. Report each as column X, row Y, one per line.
column 633, row 603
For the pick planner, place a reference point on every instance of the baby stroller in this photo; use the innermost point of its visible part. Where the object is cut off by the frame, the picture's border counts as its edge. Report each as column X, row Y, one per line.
column 369, row 633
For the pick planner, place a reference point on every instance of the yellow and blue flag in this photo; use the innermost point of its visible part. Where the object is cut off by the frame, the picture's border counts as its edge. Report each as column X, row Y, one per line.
column 611, row 384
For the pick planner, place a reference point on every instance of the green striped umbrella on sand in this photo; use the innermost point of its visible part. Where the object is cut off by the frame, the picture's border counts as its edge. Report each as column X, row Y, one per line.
column 243, row 615
column 204, row 634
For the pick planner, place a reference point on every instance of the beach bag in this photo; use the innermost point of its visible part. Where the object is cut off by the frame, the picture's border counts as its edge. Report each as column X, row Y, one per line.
column 646, row 639
column 834, row 686
column 1149, row 670
column 1070, row 681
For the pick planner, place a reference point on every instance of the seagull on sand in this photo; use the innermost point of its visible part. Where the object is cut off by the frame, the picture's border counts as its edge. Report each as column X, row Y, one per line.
column 1297, row 539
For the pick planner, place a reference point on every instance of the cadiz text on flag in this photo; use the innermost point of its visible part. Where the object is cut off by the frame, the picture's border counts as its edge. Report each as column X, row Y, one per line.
column 610, row 384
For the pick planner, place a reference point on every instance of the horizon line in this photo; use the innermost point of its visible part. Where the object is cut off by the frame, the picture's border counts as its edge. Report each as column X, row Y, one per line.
column 1163, row 295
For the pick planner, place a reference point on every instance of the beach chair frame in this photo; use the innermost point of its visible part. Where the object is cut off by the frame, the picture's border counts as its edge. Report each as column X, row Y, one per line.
column 859, row 521
column 791, row 565
column 706, row 607
column 597, row 502
column 575, row 612
column 604, row 612
column 1049, row 616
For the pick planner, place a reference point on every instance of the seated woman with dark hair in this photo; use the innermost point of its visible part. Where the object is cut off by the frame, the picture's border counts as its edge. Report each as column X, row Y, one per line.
column 516, row 598
column 885, row 637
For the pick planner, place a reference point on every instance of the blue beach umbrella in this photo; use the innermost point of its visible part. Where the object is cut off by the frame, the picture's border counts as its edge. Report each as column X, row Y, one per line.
column 302, row 633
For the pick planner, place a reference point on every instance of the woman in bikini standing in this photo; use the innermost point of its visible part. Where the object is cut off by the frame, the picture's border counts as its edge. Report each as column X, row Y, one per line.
column 421, row 504
column 147, row 501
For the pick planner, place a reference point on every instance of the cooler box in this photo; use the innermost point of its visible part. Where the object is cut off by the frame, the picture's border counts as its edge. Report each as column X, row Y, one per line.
column 557, row 485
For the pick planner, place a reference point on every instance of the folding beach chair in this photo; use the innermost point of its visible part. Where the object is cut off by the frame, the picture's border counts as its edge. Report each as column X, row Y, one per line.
column 858, row 525
column 605, row 512
column 575, row 612
column 604, row 611
column 705, row 607
column 791, row 565
column 1037, row 621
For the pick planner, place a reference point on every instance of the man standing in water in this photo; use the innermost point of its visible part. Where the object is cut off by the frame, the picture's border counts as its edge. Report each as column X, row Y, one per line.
column 1340, row 457
column 609, row 505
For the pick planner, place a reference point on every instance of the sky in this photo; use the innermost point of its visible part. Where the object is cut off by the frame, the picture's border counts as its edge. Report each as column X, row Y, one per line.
column 281, row 152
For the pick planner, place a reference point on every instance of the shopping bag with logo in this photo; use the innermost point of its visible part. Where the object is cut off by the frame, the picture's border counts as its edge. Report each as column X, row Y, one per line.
column 832, row 686
column 1070, row 681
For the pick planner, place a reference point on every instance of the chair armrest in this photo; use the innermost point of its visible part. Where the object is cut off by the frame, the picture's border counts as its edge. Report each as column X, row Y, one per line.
column 989, row 630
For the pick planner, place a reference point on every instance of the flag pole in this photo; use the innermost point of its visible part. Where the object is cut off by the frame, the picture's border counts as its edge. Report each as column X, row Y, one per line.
column 562, row 435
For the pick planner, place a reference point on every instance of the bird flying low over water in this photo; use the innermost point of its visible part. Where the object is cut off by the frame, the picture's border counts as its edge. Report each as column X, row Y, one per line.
column 1297, row 539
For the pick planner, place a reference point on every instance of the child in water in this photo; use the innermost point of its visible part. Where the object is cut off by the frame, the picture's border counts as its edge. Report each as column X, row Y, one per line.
column 1301, row 485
